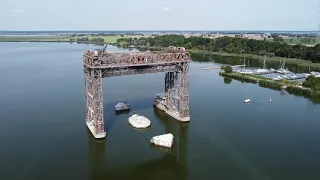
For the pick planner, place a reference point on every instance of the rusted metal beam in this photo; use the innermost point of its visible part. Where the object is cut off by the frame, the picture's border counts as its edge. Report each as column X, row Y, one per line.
column 99, row 64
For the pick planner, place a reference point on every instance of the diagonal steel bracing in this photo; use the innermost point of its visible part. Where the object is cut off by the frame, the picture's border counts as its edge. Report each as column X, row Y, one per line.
column 184, row 91
column 99, row 64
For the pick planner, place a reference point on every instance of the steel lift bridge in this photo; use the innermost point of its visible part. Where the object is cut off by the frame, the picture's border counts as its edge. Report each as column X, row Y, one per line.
column 99, row 64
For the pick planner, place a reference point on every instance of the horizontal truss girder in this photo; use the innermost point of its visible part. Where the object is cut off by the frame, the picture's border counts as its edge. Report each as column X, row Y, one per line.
column 98, row 64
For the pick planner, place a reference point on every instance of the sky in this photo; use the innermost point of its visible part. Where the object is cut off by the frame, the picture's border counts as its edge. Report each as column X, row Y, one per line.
column 282, row 15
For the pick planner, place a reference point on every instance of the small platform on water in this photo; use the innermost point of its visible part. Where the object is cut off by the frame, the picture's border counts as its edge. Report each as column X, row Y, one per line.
column 165, row 140
column 139, row 122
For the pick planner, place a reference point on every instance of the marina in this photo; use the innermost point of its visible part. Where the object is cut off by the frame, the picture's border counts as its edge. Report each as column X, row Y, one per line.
column 282, row 73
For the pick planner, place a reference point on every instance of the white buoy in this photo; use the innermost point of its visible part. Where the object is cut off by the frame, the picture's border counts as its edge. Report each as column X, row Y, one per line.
column 139, row 121
column 164, row 140
column 247, row 100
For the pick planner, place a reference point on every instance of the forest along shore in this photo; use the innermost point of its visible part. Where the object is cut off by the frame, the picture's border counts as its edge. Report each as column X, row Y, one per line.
column 230, row 50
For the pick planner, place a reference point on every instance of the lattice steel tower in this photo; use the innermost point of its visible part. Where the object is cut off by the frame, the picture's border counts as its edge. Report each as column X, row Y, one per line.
column 99, row 64
column 318, row 33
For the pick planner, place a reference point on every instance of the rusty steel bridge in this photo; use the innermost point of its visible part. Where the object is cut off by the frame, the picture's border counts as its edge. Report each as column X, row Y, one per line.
column 99, row 64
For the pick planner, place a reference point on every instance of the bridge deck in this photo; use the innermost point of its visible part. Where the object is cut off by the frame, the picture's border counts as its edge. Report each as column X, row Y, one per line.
column 101, row 60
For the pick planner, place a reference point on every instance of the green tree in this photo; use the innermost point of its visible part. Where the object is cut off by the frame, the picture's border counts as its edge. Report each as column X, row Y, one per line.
column 222, row 68
column 228, row 69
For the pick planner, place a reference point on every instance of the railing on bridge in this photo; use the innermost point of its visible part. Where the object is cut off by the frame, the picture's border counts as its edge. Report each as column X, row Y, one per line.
column 100, row 59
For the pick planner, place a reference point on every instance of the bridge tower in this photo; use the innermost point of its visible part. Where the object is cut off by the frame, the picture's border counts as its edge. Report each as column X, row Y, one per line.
column 98, row 64
column 318, row 34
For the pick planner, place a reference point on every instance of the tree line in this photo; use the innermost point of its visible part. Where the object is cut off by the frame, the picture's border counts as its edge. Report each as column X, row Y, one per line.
column 229, row 45
column 87, row 40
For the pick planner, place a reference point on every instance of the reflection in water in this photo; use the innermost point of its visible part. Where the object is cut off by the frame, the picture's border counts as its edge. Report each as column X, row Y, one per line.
column 227, row 80
column 172, row 165
column 127, row 111
column 97, row 156
column 283, row 93
column 180, row 133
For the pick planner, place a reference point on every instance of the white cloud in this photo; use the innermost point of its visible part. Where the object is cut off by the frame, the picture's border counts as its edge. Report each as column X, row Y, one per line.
column 17, row 11
column 167, row 8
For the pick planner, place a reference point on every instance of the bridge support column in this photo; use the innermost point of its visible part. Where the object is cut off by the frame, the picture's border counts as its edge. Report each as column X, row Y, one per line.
column 170, row 90
column 94, row 102
column 177, row 99
column 184, row 93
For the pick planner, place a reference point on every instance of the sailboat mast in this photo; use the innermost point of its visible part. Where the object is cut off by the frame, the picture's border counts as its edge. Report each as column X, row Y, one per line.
column 280, row 64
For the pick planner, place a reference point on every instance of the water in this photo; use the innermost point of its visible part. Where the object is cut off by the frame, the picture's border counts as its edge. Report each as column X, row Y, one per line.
column 43, row 133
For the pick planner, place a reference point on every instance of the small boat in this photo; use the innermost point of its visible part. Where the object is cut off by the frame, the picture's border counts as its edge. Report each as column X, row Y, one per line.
column 306, row 75
column 164, row 140
column 246, row 72
column 122, row 106
column 314, row 73
column 247, row 100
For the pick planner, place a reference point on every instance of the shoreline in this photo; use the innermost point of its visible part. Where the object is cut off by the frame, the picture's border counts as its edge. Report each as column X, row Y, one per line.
column 112, row 39
column 293, row 88
column 299, row 63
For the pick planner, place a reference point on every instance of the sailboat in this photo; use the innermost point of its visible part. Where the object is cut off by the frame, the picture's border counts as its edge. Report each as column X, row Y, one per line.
column 264, row 69
column 282, row 69
column 245, row 71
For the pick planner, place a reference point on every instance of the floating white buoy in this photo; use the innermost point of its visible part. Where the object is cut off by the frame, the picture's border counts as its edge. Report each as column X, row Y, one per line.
column 139, row 121
column 164, row 140
column 247, row 100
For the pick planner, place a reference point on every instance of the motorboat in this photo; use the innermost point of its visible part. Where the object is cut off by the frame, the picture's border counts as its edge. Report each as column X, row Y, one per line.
column 159, row 101
column 247, row 101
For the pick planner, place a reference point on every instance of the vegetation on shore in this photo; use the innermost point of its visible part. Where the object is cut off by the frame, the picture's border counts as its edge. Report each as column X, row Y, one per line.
column 34, row 39
column 296, row 57
column 231, row 45
column 257, row 60
column 63, row 38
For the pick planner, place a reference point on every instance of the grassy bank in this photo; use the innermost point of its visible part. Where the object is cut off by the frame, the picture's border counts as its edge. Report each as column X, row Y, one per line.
column 299, row 63
column 291, row 87
column 107, row 39
column 34, row 39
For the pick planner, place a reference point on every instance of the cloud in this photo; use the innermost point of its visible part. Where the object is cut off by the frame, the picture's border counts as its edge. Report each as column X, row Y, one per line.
column 17, row 11
column 167, row 8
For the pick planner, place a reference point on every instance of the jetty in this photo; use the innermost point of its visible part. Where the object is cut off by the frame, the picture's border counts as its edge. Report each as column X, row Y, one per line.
column 235, row 66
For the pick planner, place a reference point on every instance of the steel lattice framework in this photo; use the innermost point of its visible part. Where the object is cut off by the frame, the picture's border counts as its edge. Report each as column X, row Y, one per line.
column 318, row 33
column 99, row 64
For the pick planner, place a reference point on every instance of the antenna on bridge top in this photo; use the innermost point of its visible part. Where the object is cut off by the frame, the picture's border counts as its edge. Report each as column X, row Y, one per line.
column 318, row 33
column 105, row 47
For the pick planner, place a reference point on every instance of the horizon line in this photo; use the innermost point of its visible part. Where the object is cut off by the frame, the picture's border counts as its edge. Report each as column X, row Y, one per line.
column 149, row 30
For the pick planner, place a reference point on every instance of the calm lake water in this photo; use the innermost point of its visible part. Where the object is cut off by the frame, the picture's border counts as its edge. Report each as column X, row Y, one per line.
column 43, row 133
